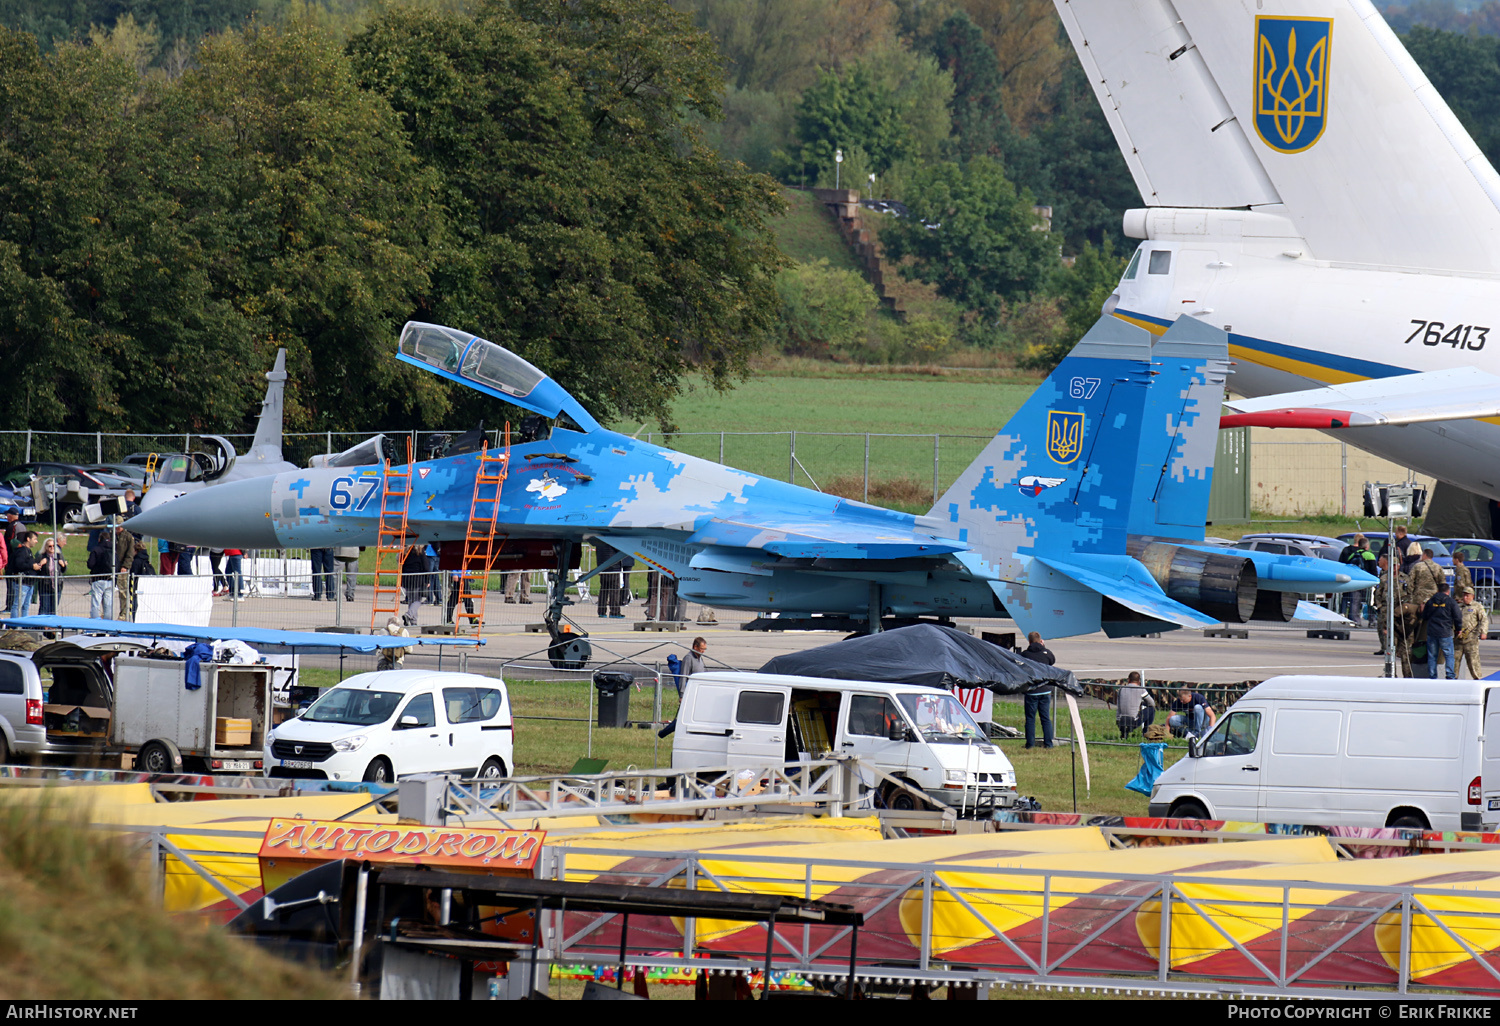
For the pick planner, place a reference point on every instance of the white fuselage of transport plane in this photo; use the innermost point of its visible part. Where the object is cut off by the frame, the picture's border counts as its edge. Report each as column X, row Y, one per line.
column 1298, row 323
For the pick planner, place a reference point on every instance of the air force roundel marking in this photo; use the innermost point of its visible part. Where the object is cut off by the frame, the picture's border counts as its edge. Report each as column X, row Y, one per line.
column 1291, row 80
column 1064, row 435
column 1034, row 486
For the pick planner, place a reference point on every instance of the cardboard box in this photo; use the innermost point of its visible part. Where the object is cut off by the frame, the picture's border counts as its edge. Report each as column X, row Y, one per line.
column 232, row 731
column 76, row 720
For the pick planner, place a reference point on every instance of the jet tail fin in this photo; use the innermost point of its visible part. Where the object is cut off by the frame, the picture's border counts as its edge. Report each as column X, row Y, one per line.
column 1061, row 471
column 266, row 445
column 1176, row 465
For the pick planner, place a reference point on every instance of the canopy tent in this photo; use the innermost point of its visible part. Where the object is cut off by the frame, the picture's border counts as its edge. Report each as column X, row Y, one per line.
column 929, row 655
column 259, row 638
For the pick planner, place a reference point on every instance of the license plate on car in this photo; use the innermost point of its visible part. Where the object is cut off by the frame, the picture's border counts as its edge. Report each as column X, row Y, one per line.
column 238, row 764
column 1494, row 804
column 289, row 764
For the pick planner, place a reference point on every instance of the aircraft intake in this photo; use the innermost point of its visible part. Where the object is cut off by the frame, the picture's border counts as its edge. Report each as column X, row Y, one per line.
column 1220, row 585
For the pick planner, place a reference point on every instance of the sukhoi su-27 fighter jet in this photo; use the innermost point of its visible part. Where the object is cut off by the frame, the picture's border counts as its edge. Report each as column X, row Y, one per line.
column 1085, row 513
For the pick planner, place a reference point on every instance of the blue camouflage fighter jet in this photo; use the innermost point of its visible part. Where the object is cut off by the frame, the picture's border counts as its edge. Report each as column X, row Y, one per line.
column 1085, row 513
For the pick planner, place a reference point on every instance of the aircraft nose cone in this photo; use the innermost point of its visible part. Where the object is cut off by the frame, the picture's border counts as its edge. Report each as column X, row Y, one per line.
column 234, row 515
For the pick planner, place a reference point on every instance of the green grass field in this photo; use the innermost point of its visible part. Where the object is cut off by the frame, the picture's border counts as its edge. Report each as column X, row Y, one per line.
column 807, row 234
column 552, row 734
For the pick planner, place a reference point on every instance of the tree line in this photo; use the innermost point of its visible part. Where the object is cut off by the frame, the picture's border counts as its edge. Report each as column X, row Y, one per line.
column 596, row 184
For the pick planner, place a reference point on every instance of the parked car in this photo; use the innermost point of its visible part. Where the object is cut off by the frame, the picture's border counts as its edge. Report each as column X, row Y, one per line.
column 920, row 735
column 1482, row 557
column 391, row 723
column 56, row 478
column 1294, row 544
column 1344, row 751
column 49, row 683
column 1440, row 554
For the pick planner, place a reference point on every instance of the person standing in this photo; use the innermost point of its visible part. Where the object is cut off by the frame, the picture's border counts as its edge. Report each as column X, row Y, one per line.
column 455, row 590
column 216, row 565
column 185, row 560
column 1361, row 558
column 166, row 556
column 140, row 566
column 22, row 566
column 101, row 574
column 322, row 573
column 431, row 590
column 233, row 573
column 346, row 568
column 50, row 567
column 694, row 662
column 413, row 582
column 11, row 542
column 1407, row 551
column 1442, row 616
column 1461, row 577
column 1426, row 576
column 1039, row 703
column 611, row 582
column 1474, row 629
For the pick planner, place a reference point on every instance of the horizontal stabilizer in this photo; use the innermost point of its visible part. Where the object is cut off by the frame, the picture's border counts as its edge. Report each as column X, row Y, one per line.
column 1320, row 614
column 1457, row 393
column 1130, row 584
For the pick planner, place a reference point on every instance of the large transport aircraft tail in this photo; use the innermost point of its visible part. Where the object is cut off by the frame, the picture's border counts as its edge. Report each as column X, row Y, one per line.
column 1305, row 118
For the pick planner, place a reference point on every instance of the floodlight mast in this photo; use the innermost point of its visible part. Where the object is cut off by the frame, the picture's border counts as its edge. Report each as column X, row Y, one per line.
column 1397, row 502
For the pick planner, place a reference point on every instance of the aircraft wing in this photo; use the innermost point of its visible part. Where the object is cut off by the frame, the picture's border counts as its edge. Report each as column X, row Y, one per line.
column 792, row 537
column 1458, row 393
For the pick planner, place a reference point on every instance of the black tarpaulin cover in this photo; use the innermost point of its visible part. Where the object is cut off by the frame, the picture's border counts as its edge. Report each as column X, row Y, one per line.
column 925, row 654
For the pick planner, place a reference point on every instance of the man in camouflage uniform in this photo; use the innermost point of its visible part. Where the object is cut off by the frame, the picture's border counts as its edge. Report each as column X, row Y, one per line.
column 1474, row 629
column 1403, row 632
column 1461, row 576
column 1425, row 576
column 1378, row 599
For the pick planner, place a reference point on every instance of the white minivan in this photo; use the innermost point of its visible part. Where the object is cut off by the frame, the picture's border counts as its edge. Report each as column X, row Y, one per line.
column 921, row 735
column 1345, row 751
column 392, row 723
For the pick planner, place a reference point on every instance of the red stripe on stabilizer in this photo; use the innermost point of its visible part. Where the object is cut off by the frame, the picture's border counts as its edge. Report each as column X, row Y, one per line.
column 1309, row 417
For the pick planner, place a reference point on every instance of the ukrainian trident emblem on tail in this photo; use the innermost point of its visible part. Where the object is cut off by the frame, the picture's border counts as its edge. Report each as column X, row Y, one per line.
column 1064, row 435
column 1291, row 80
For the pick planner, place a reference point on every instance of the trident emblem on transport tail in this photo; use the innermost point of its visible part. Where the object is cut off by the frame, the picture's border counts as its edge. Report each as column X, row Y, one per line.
column 1291, row 80
column 1064, row 435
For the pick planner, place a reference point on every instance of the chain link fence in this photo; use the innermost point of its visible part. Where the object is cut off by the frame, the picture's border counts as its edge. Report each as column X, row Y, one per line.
column 1292, row 473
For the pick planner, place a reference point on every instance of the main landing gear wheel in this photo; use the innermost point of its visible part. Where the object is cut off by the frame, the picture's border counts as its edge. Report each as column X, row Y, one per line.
column 570, row 652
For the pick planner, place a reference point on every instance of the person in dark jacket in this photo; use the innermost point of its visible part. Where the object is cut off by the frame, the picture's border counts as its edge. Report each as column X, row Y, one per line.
column 140, row 566
column 50, row 568
column 413, row 582
column 1039, row 703
column 21, row 565
column 1442, row 616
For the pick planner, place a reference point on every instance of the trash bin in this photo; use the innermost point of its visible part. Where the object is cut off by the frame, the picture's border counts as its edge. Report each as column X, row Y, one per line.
column 614, row 698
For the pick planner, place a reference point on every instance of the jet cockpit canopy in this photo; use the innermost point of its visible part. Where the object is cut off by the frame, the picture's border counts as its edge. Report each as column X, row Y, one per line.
column 488, row 368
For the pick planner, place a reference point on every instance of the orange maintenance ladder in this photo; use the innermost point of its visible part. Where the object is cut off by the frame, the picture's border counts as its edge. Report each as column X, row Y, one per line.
column 390, row 542
column 480, row 547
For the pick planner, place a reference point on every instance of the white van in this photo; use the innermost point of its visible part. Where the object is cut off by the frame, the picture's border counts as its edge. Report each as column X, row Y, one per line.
column 921, row 735
column 391, row 723
column 1345, row 751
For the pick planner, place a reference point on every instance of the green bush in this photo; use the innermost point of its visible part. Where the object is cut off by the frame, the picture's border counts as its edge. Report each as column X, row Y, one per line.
column 823, row 309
